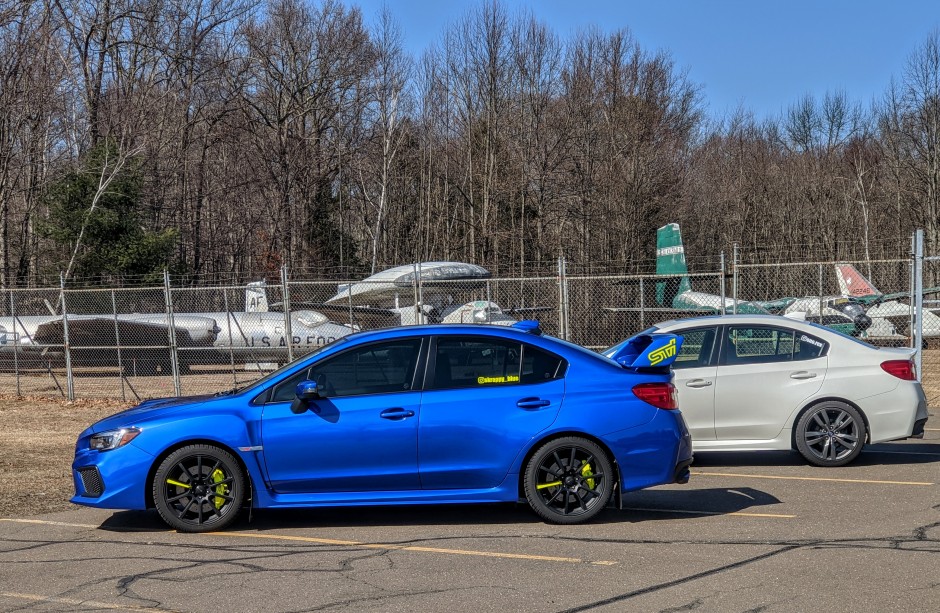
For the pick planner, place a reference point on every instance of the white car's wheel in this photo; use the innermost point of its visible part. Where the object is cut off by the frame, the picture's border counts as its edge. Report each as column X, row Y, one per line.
column 831, row 433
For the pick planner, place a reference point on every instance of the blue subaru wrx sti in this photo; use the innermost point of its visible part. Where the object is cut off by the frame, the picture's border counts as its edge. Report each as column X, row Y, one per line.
column 413, row 415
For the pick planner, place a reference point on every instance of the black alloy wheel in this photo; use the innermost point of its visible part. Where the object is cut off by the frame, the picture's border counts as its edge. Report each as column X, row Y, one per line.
column 830, row 434
column 569, row 480
column 199, row 488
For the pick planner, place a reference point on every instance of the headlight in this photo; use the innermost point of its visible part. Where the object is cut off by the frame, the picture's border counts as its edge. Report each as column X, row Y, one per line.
column 112, row 439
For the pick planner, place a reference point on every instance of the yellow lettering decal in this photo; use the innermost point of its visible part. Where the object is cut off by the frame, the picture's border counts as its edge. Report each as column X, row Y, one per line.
column 666, row 351
column 508, row 379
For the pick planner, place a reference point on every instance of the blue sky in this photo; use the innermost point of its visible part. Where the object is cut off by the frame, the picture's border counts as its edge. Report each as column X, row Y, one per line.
column 761, row 54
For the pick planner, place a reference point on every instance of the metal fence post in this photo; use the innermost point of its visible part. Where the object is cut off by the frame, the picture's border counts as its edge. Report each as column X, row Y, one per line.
column 171, row 331
column 918, row 299
column 288, row 331
column 231, row 346
column 488, row 300
column 414, row 286
column 734, row 279
column 117, row 343
column 16, row 345
column 562, row 312
column 69, row 381
column 721, row 284
column 821, row 297
column 642, row 306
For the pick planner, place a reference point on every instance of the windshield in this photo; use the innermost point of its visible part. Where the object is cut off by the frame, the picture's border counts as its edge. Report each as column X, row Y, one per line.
column 292, row 365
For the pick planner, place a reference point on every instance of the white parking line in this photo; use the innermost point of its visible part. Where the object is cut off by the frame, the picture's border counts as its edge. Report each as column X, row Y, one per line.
column 78, row 602
column 44, row 522
column 355, row 544
column 393, row 546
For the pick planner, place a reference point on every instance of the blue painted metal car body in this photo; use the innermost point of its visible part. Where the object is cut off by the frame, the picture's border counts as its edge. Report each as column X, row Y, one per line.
column 428, row 414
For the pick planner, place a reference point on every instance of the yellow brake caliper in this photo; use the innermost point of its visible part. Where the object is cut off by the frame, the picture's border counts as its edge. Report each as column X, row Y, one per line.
column 588, row 473
column 222, row 490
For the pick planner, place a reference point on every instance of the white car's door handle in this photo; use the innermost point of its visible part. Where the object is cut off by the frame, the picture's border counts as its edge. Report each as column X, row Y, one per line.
column 802, row 374
column 698, row 383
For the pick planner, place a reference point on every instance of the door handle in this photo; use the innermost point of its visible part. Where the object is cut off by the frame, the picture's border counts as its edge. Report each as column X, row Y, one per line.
column 533, row 403
column 396, row 413
column 802, row 374
column 698, row 383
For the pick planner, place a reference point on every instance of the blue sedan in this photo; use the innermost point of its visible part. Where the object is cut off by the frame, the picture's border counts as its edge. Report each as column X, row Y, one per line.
column 414, row 415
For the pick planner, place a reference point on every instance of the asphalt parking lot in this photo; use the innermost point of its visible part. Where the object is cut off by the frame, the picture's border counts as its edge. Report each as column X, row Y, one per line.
column 750, row 532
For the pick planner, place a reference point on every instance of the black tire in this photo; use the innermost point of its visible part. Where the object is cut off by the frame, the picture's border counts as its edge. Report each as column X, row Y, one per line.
column 568, row 480
column 831, row 433
column 213, row 475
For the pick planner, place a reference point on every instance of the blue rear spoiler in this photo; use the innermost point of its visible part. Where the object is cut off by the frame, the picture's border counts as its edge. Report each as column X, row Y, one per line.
column 646, row 351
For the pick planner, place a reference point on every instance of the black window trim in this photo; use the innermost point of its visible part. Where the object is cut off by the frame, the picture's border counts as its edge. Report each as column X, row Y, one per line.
column 416, row 377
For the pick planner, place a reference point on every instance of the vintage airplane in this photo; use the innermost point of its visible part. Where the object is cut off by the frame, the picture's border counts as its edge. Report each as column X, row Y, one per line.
column 676, row 298
column 255, row 335
column 392, row 296
column 885, row 307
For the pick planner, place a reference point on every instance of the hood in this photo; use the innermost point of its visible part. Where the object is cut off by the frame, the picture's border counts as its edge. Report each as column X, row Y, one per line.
column 148, row 410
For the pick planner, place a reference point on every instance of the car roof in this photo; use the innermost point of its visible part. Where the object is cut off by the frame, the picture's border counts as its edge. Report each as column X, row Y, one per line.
column 557, row 345
column 767, row 320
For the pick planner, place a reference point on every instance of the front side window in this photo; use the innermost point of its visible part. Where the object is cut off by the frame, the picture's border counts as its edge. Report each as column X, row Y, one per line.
column 376, row 368
column 758, row 345
column 462, row 362
column 696, row 348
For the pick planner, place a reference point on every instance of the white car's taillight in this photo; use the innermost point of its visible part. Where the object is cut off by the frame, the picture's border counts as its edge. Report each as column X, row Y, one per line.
column 902, row 369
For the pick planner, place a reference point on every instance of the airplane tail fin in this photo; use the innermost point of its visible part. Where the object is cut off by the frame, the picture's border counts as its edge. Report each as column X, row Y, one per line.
column 256, row 297
column 853, row 283
column 670, row 260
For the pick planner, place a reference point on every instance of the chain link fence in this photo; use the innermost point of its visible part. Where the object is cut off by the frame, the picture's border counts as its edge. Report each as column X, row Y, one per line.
column 165, row 341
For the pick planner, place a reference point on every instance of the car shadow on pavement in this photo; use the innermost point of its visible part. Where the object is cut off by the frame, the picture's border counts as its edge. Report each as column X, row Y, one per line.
column 639, row 506
column 671, row 504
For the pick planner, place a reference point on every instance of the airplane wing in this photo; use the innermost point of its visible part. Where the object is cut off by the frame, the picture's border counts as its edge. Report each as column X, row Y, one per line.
column 774, row 306
column 660, row 314
column 894, row 296
column 363, row 316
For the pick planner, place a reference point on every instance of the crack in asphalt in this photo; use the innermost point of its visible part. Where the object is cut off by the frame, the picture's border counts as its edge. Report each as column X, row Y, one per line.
column 919, row 535
column 247, row 559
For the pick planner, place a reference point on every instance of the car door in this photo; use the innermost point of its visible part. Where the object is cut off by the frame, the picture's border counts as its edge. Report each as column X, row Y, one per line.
column 764, row 374
column 484, row 399
column 694, row 374
column 362, row 436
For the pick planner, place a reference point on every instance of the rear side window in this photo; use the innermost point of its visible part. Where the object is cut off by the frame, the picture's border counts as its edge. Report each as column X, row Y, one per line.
column 696, row 348
column 761, row 345
column 539, row 365
column 807, row 347
column 462, row 362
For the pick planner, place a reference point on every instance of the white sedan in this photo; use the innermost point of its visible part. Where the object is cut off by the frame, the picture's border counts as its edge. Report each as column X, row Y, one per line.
column 760, row 382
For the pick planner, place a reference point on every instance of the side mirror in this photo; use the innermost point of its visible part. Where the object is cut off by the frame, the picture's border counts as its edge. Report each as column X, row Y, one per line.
column 306, row 391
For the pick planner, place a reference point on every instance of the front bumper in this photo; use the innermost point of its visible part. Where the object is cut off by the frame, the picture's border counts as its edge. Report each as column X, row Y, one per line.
column 115, row 479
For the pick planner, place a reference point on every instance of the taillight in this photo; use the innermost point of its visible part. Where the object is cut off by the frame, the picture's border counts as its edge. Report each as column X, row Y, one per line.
column 902, row 369
column 660, row 395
